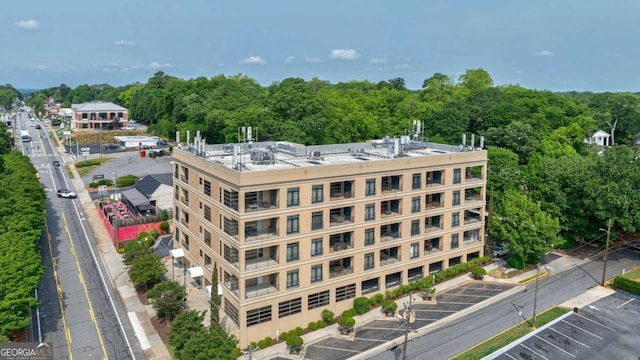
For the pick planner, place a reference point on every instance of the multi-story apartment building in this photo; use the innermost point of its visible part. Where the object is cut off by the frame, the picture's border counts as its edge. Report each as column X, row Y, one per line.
column 295, row 230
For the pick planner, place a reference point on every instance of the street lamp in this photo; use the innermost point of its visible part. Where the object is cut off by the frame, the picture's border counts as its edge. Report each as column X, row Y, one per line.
column 606, row 253
column 535, row 294
column 408, row 317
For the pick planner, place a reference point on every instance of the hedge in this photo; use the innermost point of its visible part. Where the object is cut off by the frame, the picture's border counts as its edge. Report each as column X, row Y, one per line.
column 361, row 305
column 622, row 283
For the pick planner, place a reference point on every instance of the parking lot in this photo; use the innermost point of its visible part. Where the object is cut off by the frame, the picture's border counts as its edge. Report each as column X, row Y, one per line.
column 380, row 331
column 606, row 329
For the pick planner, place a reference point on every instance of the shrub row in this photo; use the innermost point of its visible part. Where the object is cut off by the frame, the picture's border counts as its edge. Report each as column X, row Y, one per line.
column 95, row 184
column 91, row 162
column 622, row 283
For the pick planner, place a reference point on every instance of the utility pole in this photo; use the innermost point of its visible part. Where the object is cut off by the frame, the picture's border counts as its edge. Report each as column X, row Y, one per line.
column 535, row 296
column 606, row 254
column 408, row 318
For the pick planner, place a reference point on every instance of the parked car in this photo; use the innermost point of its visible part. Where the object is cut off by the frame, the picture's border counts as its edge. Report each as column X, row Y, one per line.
column 37, row 126
column 500, row 251
column 56, row 163
column 110, row 146
column 129, row 127
column 162, row 142
column 146, row 147
column 66, row 193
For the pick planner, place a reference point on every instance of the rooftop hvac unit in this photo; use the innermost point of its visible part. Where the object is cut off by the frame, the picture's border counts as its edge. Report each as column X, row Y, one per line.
column 317, row 154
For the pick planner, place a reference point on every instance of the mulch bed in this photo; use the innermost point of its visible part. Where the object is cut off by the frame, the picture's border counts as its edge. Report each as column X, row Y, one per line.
column 162, row 327
column 141, row 292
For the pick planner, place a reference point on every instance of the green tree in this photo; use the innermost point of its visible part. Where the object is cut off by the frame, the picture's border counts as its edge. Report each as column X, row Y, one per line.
column 183, row 327
column 6, row 141
column 206, row 344
column 134, row 249
column 146, row 269
column 475, row 79
column 168, row 304
column 529, row 232
column 215, row 298
column 160, row 288
column 503, row 170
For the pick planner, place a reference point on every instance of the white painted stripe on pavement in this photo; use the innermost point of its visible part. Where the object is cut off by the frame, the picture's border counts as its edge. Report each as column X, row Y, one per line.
column 625, row 303
column 578, row 327
column 566, row 352
column 528, row 348
column 139, row 331
column 567, row 336
column 595, row 322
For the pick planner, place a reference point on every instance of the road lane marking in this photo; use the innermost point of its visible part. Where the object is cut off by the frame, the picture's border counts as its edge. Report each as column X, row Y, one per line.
column 567, row 336
column 84, row 286
column 625, row 303
column 595, row 322
column 67, row 334
column 578, row 327
column 568, row 353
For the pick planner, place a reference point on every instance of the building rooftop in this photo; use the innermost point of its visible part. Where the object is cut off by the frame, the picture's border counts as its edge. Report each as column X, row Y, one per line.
column 97, row 106
column 263, row 156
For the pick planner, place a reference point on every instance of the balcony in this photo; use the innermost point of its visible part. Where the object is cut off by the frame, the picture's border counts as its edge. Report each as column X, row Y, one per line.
column 261, row 200
column 184, row 178
column 389, row 256
column 341, row 190
column 261, row 258
column 260, row 286
column 389, row 208
column 340, row 216
column 391, row 183
column 472, row 216
column 473, row 194
column 434, row 201
column 185, row 200
column 471, row 237
column 434, row 178
column 251, row 233
column 473, row 173
column 432, row 246
column 340, row 267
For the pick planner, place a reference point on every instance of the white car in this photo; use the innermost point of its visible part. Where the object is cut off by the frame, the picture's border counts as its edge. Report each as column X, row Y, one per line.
column 499, row 251
column 65, row 193
column 129, row 127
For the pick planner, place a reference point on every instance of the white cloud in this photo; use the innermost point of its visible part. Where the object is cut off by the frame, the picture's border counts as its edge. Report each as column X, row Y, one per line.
column 378, row 61
column 344, row 54
column 157, row 65
column 42, row 67
column 312, row 60
column 27, row 24
column 401, row 66
column 289, row 59
column 544, row 53
column 124, row 43
column 253, row 60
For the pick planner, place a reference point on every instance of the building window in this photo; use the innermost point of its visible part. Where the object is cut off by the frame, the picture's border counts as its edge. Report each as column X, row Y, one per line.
column 317, row 194
column 231, row 310
column 292, row 252
column 207, row 188
column 318, row 299
column 456, row 176
column 414, row 250
column 369, row 237
column 345, row 292
column 293, row 224
column 316, row 220
column 231, row 226
column 207, row 262
column 369, row 212
column 290, row 307
column 258, row 316
column 185, row 242
column 416, row 183
column 370, row 189
column 292, row 279
column 316, row 273
column 207, row 213
column 456, row 198
column 230, row 254
column 415, row 204
column 293, row 197
column 415, row 227
column 207, row 238
column 369, row 261
column 455, row 219
column 231, row 199
column 316, row 247
column 454, row 241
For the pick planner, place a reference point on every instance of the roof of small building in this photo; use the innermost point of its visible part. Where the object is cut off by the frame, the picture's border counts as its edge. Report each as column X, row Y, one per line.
column 600, row 133
column 97, row 106
column 150, row 183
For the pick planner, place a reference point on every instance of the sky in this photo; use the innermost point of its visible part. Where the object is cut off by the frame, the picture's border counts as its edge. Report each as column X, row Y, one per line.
column 557, row 45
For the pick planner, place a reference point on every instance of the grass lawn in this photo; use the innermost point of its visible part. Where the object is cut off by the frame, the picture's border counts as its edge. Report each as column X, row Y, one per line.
column 510, row 335
column 86, row 167
column 633, row 274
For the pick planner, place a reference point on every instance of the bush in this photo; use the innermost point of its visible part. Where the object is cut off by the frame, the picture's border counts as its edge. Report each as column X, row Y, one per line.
column 92, row 162
column 165, row 217
column 312, row 326
column 377, row 299
column 349, row 313
column 268, row 341
column 320, row 324
column 389, row 306
column 623, row 283
column 164, row 226
column 295, row 342
column 236, row 353
column 262, row 344
column 478, row 272
column 126, row 180
column 361, row 305
column 107, row 182
column 566, row 244
column 516, row 262
column 347, row 322
column 146, row 239
column 327, row 316
column 154, row 233
column 299, row 331
column 284, row 336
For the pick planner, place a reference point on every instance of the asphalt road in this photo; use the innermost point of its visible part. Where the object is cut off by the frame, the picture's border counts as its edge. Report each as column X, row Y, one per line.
column 80, row 313
column 452, row 338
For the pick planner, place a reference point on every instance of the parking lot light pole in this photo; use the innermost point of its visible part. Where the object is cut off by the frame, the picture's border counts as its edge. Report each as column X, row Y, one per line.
column 606, row 254
column 535, row 296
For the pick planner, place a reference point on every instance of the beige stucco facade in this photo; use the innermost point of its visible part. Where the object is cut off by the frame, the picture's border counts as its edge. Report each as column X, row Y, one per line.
column 292, row 239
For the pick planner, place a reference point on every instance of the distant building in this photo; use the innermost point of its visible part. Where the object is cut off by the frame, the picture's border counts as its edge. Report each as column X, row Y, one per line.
column 136, row 141
column 298, row 229
column 600, row 138
column 98, row 115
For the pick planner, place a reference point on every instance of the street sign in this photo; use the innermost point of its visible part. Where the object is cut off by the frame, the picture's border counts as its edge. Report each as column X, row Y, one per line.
column 85, row 148
column 102, row 189
column 66, row 133
column 85, row 153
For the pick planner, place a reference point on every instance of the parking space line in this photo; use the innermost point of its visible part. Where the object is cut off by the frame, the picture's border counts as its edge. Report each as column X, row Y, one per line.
column 578, row 327
column 564, row 351
column 465, row 295
column 339, row 349
column 375, row 340
column 595, row 322
column 567, row 336
column 453, row 302
column 625, row 303
column 379, row 328
column 526, row 347
column 509, row 356
column 427, row 310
